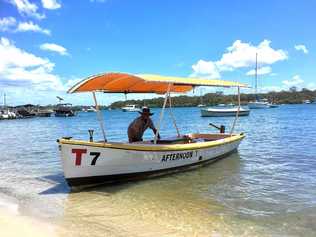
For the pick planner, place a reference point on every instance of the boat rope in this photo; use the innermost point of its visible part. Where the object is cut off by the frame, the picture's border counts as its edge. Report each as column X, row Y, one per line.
column 99, row 116
column 237, row 114
column 161, row 113
column 172, row 116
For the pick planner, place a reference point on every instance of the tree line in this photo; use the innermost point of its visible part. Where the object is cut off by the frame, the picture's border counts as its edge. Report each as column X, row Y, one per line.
column 293, row 96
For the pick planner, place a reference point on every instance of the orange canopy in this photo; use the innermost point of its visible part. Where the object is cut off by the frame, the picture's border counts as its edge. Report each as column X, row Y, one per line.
column 128, row 83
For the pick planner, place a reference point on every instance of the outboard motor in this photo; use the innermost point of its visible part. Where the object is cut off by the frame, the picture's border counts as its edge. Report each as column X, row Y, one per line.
column 221, row 128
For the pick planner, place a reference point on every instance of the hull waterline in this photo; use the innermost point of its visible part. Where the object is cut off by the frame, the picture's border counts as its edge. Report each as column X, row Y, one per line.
column 224, row 112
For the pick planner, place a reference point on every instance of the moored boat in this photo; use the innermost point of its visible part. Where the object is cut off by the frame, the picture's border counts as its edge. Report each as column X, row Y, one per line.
column 7, row 114
column 223, row 111
column 131, row 108
column 24, row 112
column 5, row 111
column 91, row 162
column 64, row 110
column 89, row 109
column 259, row 104
column 44, row 112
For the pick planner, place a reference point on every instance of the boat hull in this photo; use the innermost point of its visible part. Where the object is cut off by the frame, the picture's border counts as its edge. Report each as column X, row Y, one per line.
column 118, row 178
column 258, row 105
column 86, row 164
column 130, row 110
column 223, row 113
column 63, row 114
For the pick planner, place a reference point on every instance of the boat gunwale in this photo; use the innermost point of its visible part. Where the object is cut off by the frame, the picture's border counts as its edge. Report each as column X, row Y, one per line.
column 156, row 147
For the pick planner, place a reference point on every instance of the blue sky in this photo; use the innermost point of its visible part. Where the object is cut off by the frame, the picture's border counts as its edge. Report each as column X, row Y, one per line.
column 48, row 45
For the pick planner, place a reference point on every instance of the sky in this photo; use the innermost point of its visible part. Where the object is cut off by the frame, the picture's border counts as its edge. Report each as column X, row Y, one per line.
column 46, row 46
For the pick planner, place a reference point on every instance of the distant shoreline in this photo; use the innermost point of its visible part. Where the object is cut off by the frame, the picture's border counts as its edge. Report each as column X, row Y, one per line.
column 210, row 99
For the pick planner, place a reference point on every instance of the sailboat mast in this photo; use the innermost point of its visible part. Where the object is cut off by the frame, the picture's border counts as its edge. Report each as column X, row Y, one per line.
column 256, row 74
column 4, row 100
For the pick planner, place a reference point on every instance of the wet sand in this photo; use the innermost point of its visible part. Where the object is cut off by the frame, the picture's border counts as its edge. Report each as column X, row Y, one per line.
column 13, row 224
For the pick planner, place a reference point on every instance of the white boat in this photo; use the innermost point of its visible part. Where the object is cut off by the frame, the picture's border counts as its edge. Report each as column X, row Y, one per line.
column 87, row 163
column 259, row 103
column 90, row 109
column 201, row 105
column 5, row 113
column 306, row 101
column 223, row 112
column 131, row 108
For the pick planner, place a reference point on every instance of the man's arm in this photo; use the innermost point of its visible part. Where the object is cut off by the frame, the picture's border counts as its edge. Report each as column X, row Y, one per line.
column 152, row 126
column 155, row 131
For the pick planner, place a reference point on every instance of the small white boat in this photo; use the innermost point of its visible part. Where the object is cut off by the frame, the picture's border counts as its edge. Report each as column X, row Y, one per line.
column 7, row 115
column 224, row 111
column 91, row 109
column 261, row 104
column 131, row 108
column 201, row 105
column 306, row 101
column 87, row 163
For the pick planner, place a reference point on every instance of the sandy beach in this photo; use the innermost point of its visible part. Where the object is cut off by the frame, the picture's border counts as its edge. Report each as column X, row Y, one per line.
column 13, row 224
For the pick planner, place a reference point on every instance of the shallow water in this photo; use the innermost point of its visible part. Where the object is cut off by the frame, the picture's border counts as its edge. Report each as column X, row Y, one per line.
column 268, row 188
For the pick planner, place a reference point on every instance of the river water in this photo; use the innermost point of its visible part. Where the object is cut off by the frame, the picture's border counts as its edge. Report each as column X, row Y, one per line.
column 268, row 188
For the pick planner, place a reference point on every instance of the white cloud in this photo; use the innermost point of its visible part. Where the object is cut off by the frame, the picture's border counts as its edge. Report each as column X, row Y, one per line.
column 20, row 68
column 54, row 48
column 301, row 47
column 295, row 81
column 243, row 55
column 205, row 69
column 30, row 26
column 10, row 24
column 51, row 4
column 26, row 8
column 7, row 23
column 260, row 71
column 311, row 86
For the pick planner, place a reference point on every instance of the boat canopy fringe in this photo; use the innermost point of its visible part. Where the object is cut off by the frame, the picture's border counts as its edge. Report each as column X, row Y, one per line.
column 144, row 83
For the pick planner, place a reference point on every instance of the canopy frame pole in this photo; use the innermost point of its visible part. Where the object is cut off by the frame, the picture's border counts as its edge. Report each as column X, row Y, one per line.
column 99, row 116
column 237, row 114
column 172, row 116
column 161, row 113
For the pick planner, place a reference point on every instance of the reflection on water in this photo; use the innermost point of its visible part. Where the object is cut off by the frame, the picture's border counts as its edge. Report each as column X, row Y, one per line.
column 178, row 204
column 267, row 189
